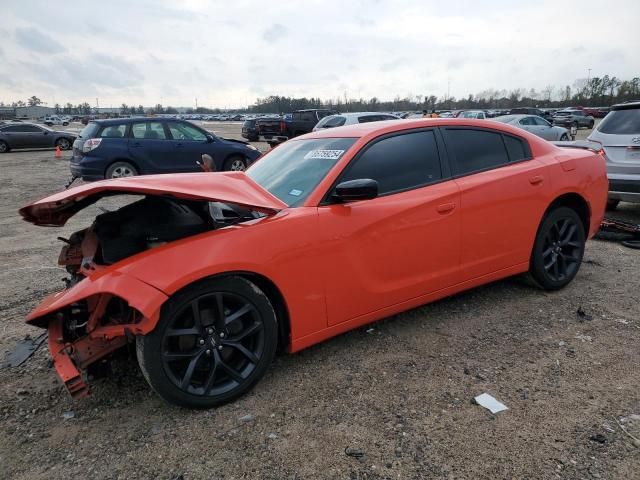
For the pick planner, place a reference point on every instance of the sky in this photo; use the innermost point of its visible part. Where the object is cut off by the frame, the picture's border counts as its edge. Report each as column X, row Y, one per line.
column 228, row 53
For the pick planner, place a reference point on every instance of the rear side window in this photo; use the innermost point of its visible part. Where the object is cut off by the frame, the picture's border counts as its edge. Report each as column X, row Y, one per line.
column 398, row 163
column 368, row 118
column 331, row 122
column 621, row 122
column 476, row 150
column 22, row 129
column 114, row 131
column 516, row 149
column 89, row 131
column 148, row 131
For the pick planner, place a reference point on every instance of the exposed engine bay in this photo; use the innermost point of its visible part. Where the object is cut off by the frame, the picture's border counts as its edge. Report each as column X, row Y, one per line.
column 94, row 327
column 141, row 225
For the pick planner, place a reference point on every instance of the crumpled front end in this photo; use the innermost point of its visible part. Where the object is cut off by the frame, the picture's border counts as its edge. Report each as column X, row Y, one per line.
column 94, row 318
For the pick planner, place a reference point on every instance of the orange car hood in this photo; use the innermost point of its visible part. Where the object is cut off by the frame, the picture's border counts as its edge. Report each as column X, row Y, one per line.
column 228, row 187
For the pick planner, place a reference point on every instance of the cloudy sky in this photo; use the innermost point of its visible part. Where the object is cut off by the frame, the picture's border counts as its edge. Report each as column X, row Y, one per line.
column 228, row 53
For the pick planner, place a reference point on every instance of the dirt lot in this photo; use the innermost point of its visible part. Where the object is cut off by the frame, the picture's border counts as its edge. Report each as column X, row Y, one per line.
column 399, row 393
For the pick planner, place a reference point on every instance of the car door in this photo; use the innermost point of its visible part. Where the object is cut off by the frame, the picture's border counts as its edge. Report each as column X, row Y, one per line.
column 189, row 143
column 503, row 195
column 400, row 245
column 27, row 136
column 543, row 129
column 150, row 149
column 526, row 123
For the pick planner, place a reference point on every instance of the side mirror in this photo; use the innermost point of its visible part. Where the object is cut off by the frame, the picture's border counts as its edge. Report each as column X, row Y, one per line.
column 210, row 138
column 352, row 190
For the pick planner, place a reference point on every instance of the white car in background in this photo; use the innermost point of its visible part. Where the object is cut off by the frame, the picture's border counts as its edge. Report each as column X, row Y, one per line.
column 536, row 125
column 619, row 135
column 332, row 121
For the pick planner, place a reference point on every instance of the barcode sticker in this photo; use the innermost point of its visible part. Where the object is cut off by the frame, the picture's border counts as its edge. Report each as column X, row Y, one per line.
column 324, row 154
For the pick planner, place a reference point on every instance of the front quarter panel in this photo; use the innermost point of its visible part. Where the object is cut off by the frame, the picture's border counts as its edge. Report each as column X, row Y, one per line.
column 284, row 248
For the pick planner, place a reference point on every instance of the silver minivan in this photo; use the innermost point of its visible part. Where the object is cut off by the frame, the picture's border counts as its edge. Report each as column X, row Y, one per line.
column 619, row 135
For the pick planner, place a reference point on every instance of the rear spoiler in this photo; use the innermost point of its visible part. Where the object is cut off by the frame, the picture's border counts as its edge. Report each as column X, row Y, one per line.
column 595, row 147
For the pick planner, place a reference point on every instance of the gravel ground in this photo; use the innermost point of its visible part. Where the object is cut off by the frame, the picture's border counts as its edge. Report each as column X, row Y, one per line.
column 390, row 401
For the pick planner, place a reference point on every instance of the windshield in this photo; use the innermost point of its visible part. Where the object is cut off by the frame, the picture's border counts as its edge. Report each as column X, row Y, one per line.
column 621, row 122
column 292, row 170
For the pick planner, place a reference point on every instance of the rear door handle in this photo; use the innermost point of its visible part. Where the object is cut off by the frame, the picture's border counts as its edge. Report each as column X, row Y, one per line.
column 536, row 180
column 445, row 207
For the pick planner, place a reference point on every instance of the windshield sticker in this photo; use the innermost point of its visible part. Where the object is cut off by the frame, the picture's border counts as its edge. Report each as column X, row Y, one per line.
column 295, row 192
column 324, row 154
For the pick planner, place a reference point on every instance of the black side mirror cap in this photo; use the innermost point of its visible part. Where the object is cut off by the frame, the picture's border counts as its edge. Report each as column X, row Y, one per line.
column 352, row 190
column 209, row 138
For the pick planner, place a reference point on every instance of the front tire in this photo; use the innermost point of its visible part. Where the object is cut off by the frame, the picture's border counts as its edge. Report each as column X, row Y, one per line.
column 214, row 341
column 120, row 170
column 564, row 137
column 4, row 147
column 558, row 249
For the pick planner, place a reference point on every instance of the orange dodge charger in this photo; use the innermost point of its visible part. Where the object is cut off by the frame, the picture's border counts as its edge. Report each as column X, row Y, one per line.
column 210, row 273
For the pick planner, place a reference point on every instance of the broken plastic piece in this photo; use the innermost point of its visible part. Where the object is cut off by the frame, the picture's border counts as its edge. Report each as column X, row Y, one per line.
column 487, row 401
column 24, row 349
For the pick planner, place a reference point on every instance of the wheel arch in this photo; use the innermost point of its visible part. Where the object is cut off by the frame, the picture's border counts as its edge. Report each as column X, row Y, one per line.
column 273, row 293
column 576, row 202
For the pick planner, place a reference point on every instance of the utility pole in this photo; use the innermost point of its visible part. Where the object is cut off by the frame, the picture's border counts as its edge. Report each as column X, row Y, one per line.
column 196, row 103
column 589, row 80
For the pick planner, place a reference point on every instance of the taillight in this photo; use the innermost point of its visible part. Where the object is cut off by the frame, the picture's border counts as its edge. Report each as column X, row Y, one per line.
column 282, row 127
column 91, row 144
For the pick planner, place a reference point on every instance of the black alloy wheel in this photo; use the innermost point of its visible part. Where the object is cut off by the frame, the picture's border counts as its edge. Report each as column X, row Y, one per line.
column 558, row 249
column 212, row 344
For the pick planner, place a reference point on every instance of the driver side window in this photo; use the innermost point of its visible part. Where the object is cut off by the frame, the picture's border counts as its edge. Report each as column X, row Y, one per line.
column 398, row 163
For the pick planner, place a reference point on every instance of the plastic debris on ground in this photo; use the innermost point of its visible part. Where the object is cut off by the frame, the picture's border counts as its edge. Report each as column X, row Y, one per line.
column 487, row 401
column 24, row 349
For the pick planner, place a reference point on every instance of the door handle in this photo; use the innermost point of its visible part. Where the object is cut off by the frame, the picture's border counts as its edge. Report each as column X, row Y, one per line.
column 536, row 180
column 445, row 207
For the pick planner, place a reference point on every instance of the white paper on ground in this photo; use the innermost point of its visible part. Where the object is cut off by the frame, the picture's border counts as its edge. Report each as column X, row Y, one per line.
column 487, row 401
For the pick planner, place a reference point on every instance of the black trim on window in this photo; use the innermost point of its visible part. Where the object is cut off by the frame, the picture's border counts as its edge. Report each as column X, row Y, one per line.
column 444, row 166
column 452, row 157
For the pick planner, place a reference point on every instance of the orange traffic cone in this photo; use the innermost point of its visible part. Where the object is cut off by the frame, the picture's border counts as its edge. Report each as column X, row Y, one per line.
column 58, row 152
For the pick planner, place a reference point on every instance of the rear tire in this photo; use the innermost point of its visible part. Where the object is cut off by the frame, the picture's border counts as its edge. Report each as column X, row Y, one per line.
column 214, row 341
column 558, row 249
column 120, row 170
column 612, row 204
column 235, row 163
column 4, row 147
column 591, row 125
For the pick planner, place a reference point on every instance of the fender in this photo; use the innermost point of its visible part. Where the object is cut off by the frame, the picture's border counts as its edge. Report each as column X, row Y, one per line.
column 139, row 295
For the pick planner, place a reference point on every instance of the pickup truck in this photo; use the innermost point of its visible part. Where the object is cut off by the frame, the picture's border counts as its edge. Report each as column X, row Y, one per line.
column 278, row 130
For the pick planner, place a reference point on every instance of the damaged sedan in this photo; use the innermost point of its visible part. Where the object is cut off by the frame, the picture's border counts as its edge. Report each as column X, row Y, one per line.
column 210, row 274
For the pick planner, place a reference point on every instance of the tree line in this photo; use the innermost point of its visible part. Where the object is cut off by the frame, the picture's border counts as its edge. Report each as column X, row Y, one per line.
column 589, row 92
column 593, row 92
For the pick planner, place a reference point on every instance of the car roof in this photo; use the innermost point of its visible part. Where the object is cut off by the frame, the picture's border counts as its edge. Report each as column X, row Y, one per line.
column 627, row 106
column 371, row 130
column 120, row 121
column 360, row 114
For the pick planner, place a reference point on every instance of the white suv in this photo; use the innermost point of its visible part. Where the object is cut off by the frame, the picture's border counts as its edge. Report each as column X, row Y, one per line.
column 619, row 135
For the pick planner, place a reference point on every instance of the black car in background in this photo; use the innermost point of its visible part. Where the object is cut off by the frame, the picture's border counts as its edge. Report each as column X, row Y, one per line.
column 249, row 130
column 140, row 146
column 28, row 135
